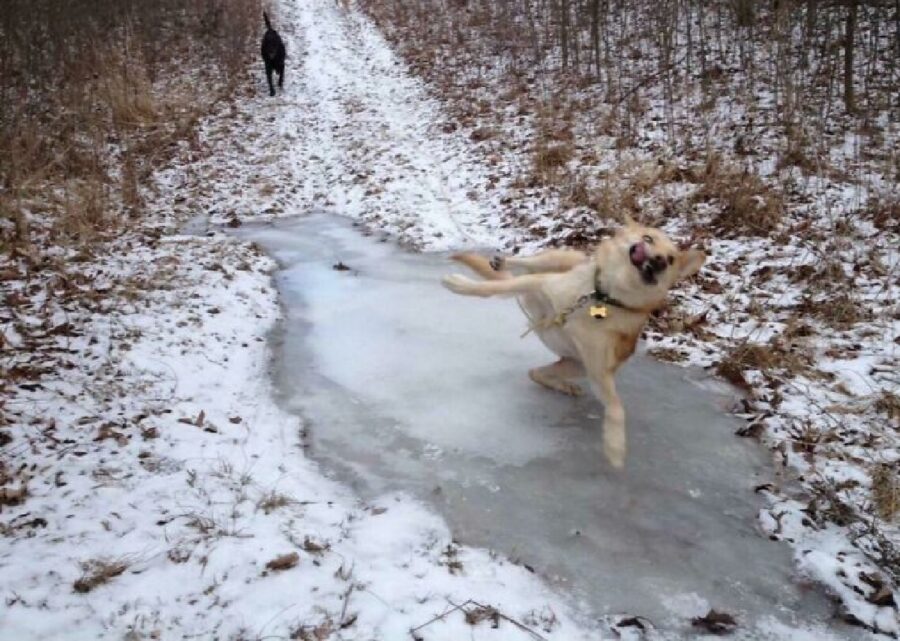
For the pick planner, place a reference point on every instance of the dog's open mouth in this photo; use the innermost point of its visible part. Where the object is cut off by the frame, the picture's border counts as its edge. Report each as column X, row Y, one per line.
column 646, row 264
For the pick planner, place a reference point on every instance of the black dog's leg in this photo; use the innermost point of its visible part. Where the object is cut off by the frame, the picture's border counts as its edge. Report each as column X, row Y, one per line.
column 281, row 75
column 269, row 78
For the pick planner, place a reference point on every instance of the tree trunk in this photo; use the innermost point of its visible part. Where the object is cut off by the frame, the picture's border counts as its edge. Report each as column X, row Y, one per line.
column 595, row 34
column 810, row 30
column 849, row 33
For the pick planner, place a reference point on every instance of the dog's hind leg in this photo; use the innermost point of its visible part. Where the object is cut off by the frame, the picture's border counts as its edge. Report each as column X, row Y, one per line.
column 556, row 376
column 269, row 79
column 281, row 76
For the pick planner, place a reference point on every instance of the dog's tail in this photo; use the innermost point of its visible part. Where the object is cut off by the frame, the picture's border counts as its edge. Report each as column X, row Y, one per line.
column 481, row 266
column 266, row 18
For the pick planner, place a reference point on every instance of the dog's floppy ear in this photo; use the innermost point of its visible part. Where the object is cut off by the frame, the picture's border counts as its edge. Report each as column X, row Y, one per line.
column 690, row 262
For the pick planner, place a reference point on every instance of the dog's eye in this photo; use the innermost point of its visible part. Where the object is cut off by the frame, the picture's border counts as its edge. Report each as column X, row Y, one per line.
column 648, row 239
column 671, row 259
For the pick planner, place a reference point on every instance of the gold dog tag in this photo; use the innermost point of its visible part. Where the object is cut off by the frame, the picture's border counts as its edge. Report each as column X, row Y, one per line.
column 598, row 311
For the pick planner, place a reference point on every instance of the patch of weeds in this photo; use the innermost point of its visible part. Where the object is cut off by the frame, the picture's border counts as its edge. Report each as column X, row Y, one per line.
column 839, row 311
column 747, row 205
column 888, row 403
column 885, row 490
column 318, row 632
column 742, row 357
column 450, row 559
column 550, row 157
column 827, row 505
column 884, row 213
column 775, row 357
column 272, row 501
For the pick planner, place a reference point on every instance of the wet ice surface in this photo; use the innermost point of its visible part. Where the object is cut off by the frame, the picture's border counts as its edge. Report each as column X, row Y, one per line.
column 405, row 386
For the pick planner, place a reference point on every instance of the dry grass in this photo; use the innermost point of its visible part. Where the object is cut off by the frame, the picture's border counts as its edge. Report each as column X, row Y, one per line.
column 888, row 403
column 886, row 490
column 776, row 357
column 885, row 212
column 91, row 106
column 747, row 205
column 550, row 158
column 838, row 310
column 554, row 147
column 272, row 501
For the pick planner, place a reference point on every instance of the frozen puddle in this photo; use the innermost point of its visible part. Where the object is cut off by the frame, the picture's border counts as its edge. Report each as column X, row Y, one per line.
column 405, row 386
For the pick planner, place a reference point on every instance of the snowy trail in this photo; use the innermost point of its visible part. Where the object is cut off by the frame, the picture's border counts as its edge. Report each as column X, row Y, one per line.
column 361, row 136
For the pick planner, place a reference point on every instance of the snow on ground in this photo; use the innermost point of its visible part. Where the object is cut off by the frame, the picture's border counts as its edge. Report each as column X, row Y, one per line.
column 151, row 487
column 171, row 471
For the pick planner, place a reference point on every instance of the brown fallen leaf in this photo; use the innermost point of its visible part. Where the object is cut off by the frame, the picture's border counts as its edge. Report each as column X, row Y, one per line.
column 106, row 431
column 752, row 429
column 313, row 547
column 882, row 594
column 283, row 562
column 10, row 496
column 883, row 597
column 715, row 622
column 97, row 573
column 632, row 622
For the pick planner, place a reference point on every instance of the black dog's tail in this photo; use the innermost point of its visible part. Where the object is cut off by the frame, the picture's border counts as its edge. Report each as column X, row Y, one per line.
column 266, row 18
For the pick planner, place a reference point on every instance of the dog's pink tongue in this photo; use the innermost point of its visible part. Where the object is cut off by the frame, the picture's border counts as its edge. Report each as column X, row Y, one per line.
column 639, row 254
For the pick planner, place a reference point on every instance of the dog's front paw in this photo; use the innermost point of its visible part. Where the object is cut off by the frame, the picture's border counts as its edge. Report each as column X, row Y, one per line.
column 498, row 263
column 458, row 283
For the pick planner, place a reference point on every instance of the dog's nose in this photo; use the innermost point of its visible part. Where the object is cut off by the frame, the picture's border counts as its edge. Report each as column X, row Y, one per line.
column 658, row 263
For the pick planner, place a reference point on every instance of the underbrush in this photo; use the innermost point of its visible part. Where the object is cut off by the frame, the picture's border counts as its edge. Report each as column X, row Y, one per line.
column 96, row 94
column 746, row 204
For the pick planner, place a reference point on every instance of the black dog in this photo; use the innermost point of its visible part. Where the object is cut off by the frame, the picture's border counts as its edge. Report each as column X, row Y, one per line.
column 273, row 55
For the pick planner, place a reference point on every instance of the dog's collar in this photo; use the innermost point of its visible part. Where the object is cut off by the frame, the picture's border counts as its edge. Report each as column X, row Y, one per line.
column 597, row 311
column 601, row 297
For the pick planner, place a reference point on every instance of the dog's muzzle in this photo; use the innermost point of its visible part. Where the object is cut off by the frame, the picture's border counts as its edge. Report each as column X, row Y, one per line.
column 649, row 266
